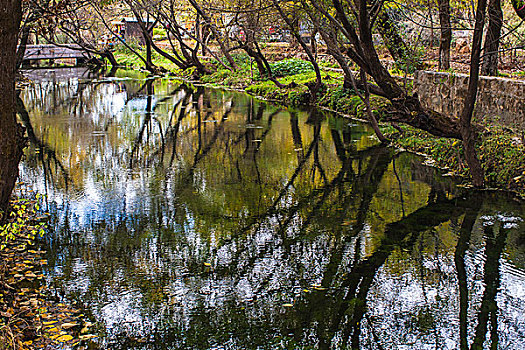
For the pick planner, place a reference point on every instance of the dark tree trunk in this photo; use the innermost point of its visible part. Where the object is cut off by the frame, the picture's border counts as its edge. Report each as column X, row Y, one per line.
column 147, row 40
column 20, row 52
column 315, row 87
column 150, row 65
column 492, row 39
column 294, row 27
column 446, row 34
column 11, row 133
column 111, row 58
column 468, row 134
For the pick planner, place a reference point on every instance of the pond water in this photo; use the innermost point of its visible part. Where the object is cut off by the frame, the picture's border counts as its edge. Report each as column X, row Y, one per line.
column 192, row 218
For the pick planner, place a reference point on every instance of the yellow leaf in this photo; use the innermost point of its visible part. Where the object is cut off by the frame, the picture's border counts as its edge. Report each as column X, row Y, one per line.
column 69, row 325
column 64, row 338
column 288, row 305
column 87, row 336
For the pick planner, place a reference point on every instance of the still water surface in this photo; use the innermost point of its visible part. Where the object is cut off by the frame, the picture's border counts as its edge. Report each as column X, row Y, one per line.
column 191, row 218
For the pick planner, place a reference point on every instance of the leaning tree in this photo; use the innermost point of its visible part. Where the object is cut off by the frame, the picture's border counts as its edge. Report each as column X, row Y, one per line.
column 348, row 32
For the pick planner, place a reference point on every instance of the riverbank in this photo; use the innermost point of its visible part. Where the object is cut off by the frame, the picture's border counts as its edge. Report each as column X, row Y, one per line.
column 501, row 150
column 30, row 317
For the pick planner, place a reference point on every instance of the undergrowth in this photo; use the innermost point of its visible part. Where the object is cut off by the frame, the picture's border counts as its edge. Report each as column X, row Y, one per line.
column 501, row 153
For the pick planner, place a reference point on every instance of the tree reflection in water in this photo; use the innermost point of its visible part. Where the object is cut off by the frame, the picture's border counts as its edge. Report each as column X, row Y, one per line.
column 194, row 218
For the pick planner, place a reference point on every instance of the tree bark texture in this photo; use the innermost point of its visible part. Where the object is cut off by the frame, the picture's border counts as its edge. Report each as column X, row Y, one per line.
column 22, row 46
column 446, row 34
column 11, row 133
column 469, row 135
column 492, row 39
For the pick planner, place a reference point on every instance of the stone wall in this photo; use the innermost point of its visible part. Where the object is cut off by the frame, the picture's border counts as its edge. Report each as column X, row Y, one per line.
column 499, row 99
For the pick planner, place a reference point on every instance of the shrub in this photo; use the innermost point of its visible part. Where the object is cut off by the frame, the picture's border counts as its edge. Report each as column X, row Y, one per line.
column 21, row 221
column 290, row 67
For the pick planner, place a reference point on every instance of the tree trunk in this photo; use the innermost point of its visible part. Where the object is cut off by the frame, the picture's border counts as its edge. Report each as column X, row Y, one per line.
column 22, row 47
column 315, row 87
column 446, row 34
column 147, row 41
column 11, row 133
column 492, row 39
column 111, row 58
column 216, row 34
column 468, row 134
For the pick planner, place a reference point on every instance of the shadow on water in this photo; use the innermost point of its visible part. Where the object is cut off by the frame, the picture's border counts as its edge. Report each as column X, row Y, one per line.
column 185, row 217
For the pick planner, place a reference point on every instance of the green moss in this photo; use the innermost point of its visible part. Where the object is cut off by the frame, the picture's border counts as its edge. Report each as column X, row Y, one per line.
column 292, row 96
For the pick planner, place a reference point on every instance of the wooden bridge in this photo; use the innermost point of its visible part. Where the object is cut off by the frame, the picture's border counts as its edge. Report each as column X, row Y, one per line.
column 53, row 52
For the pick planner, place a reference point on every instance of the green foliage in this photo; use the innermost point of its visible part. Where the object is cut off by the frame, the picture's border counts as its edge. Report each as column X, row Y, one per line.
column 159, row 33
column 241, row 59
column 503, row 160
column 126, row 58
column 519, row 7
column 291, row 67
column 413, row 63
column 219, row 75
column 339, row 99
column 21, row 221
column 293, row 96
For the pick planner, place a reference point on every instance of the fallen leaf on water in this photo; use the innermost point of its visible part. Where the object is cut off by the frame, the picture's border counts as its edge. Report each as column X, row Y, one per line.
column 69, row 325
column 6, row 314
column 87, row 336
column 64, row 338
